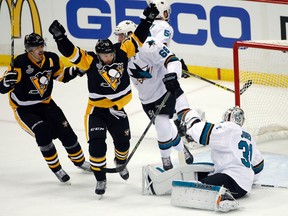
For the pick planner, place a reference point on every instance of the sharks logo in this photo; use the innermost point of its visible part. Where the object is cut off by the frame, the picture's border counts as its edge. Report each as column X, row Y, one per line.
column 40, row 81
column 140, row 74
column 112, row 75
column 151, row 43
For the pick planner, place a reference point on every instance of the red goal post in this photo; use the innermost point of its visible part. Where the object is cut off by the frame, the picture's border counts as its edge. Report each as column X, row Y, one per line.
column 265, row 102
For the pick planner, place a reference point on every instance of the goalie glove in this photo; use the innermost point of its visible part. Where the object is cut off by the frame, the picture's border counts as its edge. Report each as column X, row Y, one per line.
column 171, row 82
column 10, row 78
column 188, row 119
column 151, row 12
column 57, row 30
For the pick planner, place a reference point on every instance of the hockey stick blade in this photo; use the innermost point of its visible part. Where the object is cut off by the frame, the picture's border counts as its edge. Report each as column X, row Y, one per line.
column 122, row 167
column 246, row 86
column 114, row 170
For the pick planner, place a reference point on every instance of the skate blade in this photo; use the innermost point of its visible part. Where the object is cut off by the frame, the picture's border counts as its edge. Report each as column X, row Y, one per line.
column 99, row 197
column 66, row 183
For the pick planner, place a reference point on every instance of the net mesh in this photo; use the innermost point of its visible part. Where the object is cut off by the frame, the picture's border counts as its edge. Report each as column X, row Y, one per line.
column 265, row 102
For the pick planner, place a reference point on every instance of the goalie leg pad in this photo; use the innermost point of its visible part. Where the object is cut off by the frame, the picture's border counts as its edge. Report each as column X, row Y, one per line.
column 156, row 181
column 197, row 195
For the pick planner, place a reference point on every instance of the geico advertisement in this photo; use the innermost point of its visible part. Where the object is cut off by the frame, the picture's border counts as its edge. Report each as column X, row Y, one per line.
column 204, row 31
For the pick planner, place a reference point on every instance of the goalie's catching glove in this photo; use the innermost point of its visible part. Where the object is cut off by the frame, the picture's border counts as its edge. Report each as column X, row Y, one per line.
column 10, row 78
column 151, row 12
column 57, row 30
column 171, row 82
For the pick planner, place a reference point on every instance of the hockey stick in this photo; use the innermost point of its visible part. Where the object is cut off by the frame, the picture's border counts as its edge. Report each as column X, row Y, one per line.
column 12, row 36
column 209, row 81
column 268, row 186
column 122, row 167
column 242, row 90
column 245, row 86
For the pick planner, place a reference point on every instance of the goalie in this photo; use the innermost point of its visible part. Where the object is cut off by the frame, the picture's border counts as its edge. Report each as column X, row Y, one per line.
column 237, row 164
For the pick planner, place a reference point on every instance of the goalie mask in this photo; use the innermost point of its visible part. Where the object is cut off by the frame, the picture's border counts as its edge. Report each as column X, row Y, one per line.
column 234, row 114
column 164, row 8
column 125, row 28
column 33, row 40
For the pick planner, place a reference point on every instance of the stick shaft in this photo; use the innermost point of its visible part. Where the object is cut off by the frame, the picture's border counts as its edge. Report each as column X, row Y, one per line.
column 122, row 167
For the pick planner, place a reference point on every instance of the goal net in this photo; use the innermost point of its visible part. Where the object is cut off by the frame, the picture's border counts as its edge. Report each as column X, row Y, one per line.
column 265, row 101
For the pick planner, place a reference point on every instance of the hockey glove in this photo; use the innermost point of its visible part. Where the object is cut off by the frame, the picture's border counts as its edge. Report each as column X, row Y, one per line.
column 151, row 12
column 79, row 71
column 185, row 68
column 171, row 82
column 57, row 30
column 10, row 78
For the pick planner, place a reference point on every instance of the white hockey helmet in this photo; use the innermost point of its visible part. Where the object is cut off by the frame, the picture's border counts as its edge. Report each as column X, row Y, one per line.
column 234, row 114
column 125, row 27
column 162, row 6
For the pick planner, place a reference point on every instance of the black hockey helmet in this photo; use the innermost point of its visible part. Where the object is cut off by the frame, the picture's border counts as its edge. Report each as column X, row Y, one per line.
column 33, row 40
column 104, row 46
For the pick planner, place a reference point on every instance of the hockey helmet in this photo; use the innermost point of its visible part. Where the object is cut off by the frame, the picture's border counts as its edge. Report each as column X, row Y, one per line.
column 162, row 6
column 104, row 46
column 125, row 27
column 234, row 114
column 33, row 40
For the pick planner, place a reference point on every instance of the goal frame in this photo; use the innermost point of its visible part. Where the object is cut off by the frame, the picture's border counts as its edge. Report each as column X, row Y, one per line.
column 253, row 44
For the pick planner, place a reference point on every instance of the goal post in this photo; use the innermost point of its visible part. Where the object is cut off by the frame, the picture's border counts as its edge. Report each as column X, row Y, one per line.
column 265, row 102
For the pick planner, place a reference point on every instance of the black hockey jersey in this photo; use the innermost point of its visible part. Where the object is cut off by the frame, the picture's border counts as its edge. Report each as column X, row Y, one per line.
column 35, row 81
column 108, row 85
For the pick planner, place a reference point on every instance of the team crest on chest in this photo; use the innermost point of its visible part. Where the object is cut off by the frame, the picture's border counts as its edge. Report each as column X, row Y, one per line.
column 112, row 75
column 41, row 81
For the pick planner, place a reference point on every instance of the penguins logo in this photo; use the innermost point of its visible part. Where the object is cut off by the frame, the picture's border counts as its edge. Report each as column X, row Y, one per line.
column 41, row 81
column 112, row 74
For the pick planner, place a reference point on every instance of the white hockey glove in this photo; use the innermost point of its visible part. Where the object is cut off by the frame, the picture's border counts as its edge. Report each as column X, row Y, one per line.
column 188, row 119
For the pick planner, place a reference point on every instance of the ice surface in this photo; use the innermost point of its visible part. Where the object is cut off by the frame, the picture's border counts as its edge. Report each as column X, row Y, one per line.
column 28, row 187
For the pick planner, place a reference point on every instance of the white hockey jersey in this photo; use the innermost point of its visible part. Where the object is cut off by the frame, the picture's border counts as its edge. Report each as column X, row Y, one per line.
column 233, row 151
column 148, row 67
column 162, row 30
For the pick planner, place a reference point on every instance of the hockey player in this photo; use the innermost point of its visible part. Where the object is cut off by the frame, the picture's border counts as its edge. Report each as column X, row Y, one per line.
column 163, row 31
column 29, row 85
column 154, row 70
column 237, row 165
column 109, row 91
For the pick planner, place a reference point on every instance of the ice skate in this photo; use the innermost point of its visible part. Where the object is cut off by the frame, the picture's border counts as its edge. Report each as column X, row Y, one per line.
column 100, row 188
column 124, row 173
column 85, row 166
column 62, row 176
column 167, row 164
column 227, row 203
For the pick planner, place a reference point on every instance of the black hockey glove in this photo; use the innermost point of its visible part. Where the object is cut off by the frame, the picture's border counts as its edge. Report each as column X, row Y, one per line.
column 57, row 30
column 171, row 82
column 185, row 68
column 151, row 12
column 10, row 78
column 79, row 72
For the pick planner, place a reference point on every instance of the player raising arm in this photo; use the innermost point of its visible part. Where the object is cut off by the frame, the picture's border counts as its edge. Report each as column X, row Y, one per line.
column 154, row 70
column 109, row 91
column 29, row 86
